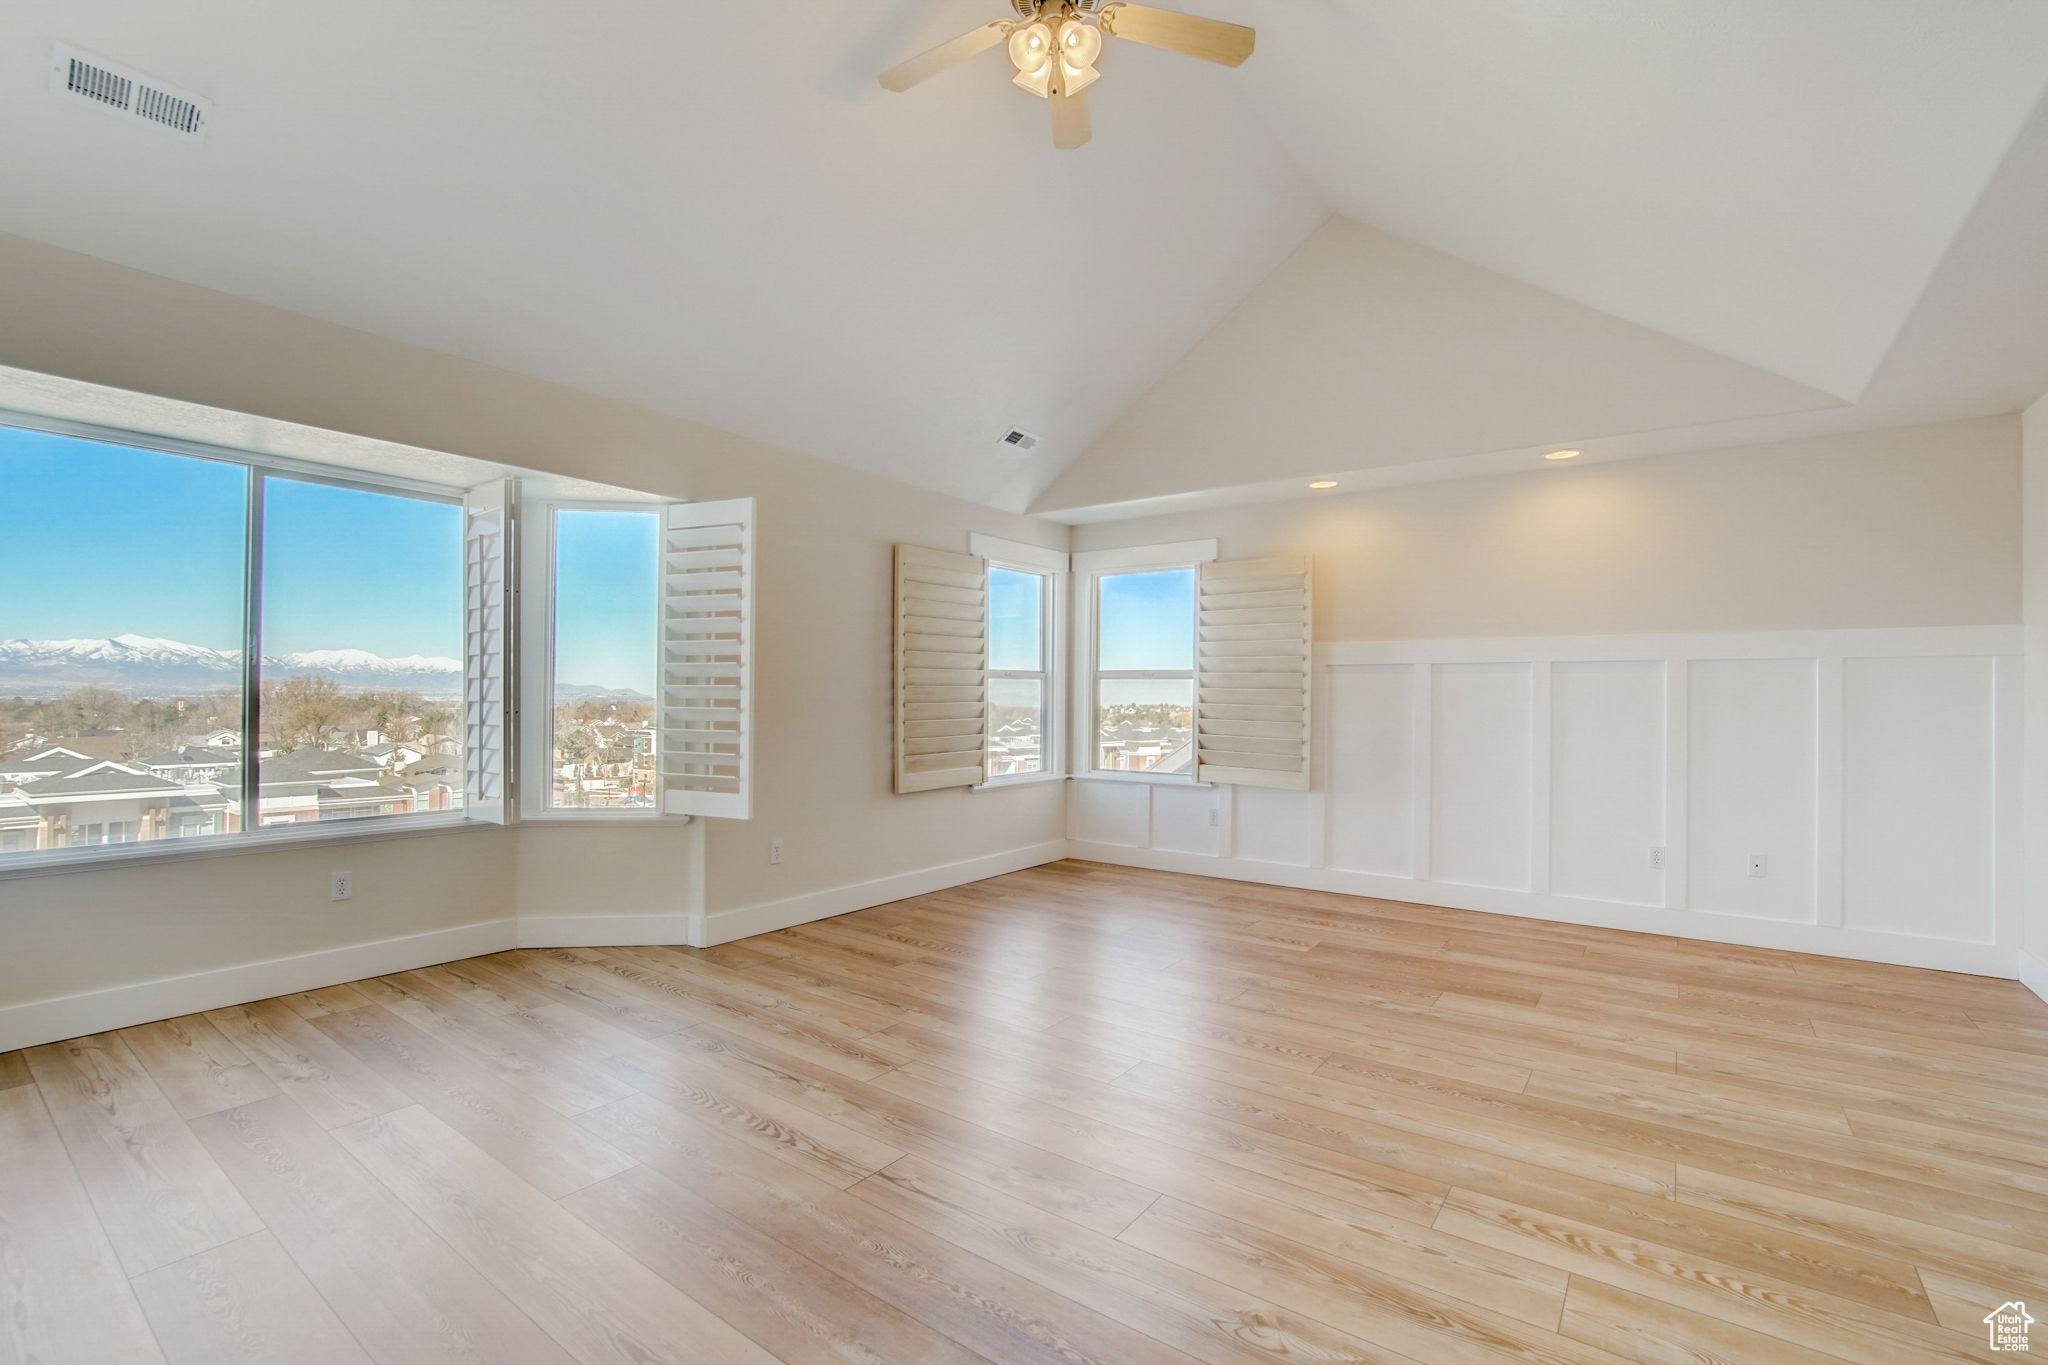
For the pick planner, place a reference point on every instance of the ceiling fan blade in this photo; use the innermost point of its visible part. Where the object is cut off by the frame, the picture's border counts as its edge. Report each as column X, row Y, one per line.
column 1210, row 39
column 928, row 64
column 1070, row 124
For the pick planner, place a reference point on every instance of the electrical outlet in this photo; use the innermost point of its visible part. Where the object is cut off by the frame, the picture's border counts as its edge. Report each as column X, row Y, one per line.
column 1657, row 857
column 342, row 887
column 1215, row 817
column 1759, row 865
column 775, row 850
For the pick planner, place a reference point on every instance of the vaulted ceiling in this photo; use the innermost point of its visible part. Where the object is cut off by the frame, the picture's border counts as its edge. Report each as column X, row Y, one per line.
column 1625, row 224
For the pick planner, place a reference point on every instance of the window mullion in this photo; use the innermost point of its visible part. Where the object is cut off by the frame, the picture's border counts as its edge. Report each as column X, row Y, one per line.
column 252, row 651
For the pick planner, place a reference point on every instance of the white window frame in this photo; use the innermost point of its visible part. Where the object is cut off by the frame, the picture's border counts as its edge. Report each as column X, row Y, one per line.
column 1090, row 567
column 1055, row 568
column 537, row 560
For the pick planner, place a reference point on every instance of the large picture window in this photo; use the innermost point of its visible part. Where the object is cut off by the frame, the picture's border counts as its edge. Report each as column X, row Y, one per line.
column 194, row 647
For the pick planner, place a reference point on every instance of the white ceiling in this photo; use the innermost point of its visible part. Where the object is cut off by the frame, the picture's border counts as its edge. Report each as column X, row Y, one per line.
column 713, row 211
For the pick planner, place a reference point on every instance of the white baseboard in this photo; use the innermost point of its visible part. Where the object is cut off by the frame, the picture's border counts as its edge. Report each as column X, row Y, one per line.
column 723, row 926
column 607, row 931
column 2033, row 973
column 72, row 1016
column 1979, row 959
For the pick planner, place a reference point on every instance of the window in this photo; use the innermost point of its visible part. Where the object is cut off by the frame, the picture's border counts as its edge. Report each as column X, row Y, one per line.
column 1019, row 657
column 184, row 600
column 1026, row 621
column 1139, row 689
column 212, row 645
column 361, row 653
column 1145, row 671
column 602, row 745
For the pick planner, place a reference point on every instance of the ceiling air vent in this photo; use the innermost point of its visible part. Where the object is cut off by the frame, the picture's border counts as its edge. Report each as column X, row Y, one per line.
column 1020, row 440
column 83, row 78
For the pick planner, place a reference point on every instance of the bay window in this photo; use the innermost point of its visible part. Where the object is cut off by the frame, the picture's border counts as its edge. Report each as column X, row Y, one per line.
column 200, row 645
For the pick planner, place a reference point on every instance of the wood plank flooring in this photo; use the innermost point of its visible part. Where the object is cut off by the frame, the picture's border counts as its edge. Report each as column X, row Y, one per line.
column 1078, row 1113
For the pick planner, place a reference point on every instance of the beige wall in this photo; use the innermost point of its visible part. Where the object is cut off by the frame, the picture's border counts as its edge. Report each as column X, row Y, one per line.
column 1914, row 526
column 823, row 662
column 73, row 932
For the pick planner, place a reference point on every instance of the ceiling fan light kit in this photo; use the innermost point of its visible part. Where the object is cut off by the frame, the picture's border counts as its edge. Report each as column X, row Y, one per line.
column 1054, row 45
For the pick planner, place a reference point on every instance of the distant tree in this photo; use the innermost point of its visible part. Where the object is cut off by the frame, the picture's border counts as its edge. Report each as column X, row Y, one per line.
column 93, row 708
column 300, row 711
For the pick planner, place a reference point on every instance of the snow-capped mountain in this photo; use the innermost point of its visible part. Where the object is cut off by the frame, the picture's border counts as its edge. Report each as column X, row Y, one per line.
column 145, row 666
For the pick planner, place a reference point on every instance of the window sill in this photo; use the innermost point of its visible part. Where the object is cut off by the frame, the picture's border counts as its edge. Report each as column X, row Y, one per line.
column 1017, row 780
column 106, row 858
column 1146, row 779
column 595, row 817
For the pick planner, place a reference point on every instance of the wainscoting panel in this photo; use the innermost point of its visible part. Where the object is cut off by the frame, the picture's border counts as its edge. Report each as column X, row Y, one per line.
column 1919, row 795
column 1607, row 780
column 1754, row 764
column 1369, row 771
column 1480, row 764
column 1631, row 781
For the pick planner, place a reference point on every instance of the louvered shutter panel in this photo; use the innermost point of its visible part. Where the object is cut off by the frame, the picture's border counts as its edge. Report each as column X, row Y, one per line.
column 486, row 665
column 707, row 658
column 1252, row 672
column 941, row 669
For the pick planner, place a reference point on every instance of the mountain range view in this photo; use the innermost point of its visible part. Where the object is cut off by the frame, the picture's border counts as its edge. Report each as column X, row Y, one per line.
column 146, row 666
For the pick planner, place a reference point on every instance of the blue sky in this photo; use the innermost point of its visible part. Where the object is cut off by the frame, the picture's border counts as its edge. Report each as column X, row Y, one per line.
column 105, row 540
column 605, row 590
column 1148, row 620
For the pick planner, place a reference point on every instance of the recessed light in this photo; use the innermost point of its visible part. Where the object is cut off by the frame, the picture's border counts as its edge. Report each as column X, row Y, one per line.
column 1320, row 484
column 1562, row 455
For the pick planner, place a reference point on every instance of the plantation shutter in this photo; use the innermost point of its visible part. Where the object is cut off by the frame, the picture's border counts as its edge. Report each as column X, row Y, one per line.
column 941, row 669
column 486, row 666
column 707, row 659
column 1253, row 625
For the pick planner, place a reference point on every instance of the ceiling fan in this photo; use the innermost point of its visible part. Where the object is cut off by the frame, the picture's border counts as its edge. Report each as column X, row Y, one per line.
column 1054, row 45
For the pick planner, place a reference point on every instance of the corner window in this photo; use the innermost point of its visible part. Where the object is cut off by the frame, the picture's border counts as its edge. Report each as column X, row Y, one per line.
column 1144, row 692
column 1019, row 670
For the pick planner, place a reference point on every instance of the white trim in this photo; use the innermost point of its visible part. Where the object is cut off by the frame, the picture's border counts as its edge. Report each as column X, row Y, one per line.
column 1143, row 777
column 1017, row 554
column 669, row 930
column 1908, row 641
column 1979, row 959
column 72, row 1016
column 2033, row 973
column 1138, row 558
column 724, row 926
column 1016, row 780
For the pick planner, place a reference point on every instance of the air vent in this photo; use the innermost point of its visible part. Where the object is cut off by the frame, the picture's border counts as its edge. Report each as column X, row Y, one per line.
column 85, row 79
column 1020, row 440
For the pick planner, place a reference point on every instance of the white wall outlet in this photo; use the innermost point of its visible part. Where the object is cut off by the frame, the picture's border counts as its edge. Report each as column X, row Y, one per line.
column 1657, row 856
column 1759, row 865
column 1215, row 817
column 775, row 850
column 341, row 887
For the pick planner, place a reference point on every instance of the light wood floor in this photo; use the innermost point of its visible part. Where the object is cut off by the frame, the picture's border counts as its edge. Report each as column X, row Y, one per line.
column 1079, row 1113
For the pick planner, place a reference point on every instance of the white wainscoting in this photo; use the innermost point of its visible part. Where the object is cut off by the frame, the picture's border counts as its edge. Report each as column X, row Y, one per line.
column 1876, row 772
